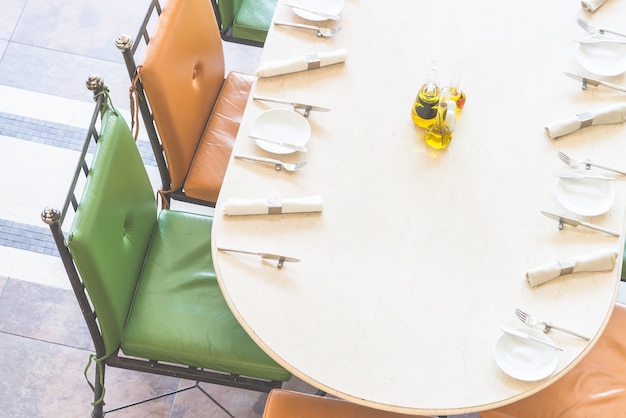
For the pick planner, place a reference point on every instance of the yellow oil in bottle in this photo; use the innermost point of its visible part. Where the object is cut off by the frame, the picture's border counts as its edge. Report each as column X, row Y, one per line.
column 425, row 106
column 424, row 109
column 458, row 97
column 439, row 134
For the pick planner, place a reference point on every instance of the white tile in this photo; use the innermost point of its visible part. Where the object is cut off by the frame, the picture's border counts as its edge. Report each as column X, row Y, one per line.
column 33, row 267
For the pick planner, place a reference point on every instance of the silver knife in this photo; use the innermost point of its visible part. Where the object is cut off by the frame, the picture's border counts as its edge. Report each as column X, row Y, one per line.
column 266, row 256
column 525, row 336
column 573, row 222
column 307, row 107
column 578, row 176
column 330, row 16
column 281, row 143
column 594, row 82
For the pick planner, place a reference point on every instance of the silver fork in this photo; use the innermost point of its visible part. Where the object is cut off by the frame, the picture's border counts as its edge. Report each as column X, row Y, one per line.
column 572, row 162
column 547, row 326
column 595, row 29
column 321, row 32
column 278, row 165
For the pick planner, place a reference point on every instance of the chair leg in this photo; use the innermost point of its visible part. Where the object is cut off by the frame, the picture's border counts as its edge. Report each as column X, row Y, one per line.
column 98, row 392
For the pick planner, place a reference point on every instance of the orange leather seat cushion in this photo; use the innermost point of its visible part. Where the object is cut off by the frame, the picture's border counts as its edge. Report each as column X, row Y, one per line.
column 206, row 174
column 596, row 387
column 287, row 404
column 196, row 111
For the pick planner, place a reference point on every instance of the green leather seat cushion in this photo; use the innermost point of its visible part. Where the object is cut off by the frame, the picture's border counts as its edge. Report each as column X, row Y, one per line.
column 253, row 19
column 179, row 313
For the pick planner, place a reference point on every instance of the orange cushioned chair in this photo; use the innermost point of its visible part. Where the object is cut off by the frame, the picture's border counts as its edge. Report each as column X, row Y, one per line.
column 196, row 109
column 287, row 404
column 596, row 387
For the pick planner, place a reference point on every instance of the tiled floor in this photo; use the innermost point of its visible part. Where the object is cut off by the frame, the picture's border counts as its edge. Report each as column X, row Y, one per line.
column 47, row 50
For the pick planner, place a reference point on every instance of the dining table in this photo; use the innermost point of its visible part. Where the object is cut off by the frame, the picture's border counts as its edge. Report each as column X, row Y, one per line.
column 418, row 256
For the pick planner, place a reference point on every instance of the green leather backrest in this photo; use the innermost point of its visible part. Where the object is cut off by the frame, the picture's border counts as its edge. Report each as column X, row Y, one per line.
column 228, row 10
column 113, row 226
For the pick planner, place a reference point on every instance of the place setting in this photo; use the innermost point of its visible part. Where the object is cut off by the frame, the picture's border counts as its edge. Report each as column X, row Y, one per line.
column 281, row 131
column 527, row 353
column 317, row 10
column 601, row 51
column 583, row 190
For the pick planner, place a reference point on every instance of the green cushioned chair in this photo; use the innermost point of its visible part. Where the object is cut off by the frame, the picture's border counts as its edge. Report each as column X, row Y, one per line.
column 152, row 300
column 244, row 21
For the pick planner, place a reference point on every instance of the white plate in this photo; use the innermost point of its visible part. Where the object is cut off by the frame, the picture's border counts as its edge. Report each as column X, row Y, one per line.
column 325, row 6
column 523, row 359
column 585, row 197
column 604, row 59
column 281, row 125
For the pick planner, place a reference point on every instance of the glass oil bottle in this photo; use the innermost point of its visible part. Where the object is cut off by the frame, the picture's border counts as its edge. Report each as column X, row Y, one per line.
column 439, row 134
column 424, row 109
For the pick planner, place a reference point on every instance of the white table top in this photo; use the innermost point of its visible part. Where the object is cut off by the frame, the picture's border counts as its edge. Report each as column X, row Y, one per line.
column 419, row 255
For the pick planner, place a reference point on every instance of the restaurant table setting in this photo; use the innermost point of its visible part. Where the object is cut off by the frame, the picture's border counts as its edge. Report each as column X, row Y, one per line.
column 414, row 255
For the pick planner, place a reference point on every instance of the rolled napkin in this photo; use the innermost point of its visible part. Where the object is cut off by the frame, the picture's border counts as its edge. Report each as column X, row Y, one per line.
column 601, row 260
column 301, row 63
column 603, row 116
column 592, row 5
column 273, row 206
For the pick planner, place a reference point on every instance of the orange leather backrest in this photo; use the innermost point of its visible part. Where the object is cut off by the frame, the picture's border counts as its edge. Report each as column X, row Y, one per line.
column 287, row 404
column 182, row 74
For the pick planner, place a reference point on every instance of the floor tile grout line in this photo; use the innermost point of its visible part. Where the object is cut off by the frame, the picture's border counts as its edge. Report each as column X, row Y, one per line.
column 87, row 350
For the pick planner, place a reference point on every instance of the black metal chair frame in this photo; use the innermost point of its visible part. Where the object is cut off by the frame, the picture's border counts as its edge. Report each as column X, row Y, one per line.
column 55, row 218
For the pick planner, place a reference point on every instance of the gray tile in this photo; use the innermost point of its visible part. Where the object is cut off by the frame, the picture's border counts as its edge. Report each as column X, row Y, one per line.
column 41, row 380
column 43, row 313
column 242, row 58
column 11, row 11
column 80, row 27
column 3, row 47
column 61, row 74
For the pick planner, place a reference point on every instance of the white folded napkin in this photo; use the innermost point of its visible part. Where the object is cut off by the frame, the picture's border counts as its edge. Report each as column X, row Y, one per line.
column 603, row 116
column 301, row 63
column 592, row 5
column 273, row 206
column 601, row 260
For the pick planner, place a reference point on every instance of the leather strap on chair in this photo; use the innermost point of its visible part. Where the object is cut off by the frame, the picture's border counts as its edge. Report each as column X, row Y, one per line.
column 134, row 105
column 165, row 204
column 100, row 373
